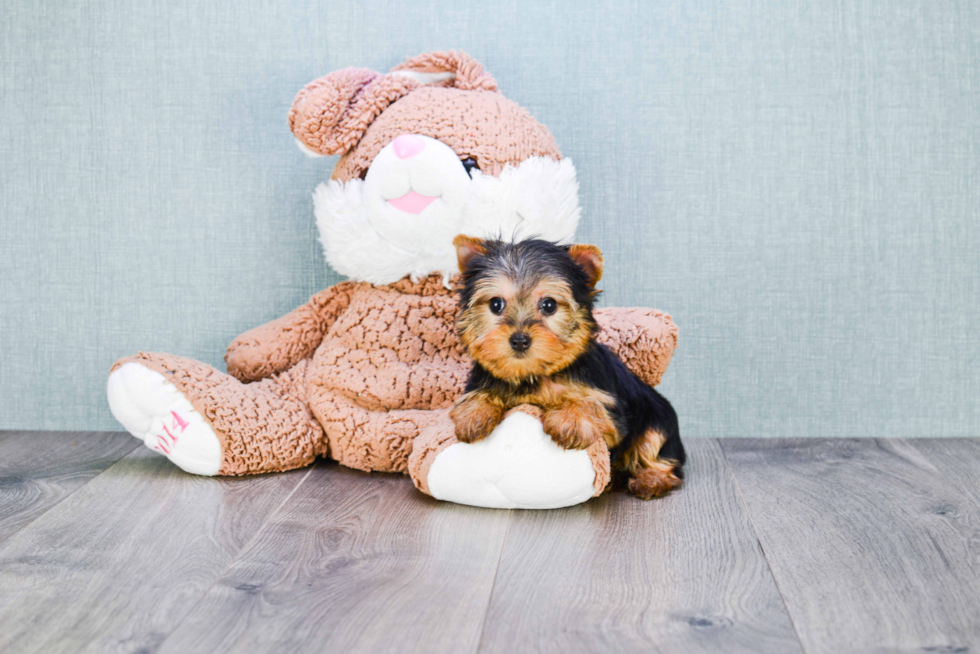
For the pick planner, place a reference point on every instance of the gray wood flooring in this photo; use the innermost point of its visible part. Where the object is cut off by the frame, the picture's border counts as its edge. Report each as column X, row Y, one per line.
column 772, row 545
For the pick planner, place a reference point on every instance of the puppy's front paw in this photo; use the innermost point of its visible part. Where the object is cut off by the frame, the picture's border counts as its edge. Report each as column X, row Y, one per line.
column 475, row 418
column 577, row 425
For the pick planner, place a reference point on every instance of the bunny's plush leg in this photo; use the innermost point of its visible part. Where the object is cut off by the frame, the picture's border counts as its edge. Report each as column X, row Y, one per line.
column 516, row 466
column 364, row 439
column 209, row 423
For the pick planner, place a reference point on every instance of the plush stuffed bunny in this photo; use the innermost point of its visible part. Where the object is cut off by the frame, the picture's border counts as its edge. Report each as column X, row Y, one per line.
column 366, row 371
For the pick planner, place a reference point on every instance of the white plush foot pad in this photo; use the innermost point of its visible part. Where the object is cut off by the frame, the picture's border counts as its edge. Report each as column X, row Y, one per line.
column 517, row 466
column 153, row 410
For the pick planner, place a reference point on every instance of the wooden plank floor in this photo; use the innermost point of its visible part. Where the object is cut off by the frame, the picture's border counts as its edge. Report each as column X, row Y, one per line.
column 873, row 548
column 39, row 469
column 771, row 546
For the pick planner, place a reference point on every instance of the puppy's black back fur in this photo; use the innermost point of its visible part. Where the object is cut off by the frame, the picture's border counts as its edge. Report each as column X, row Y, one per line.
column 639, row 407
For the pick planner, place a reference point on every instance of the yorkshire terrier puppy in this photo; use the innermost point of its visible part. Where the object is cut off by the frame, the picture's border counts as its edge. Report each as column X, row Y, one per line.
column 526, row 320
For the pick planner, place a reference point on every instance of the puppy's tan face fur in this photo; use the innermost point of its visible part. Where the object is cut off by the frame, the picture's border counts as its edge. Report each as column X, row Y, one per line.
column 543, row 309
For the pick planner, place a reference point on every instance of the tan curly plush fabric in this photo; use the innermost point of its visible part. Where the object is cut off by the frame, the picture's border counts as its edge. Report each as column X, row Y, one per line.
column 473, row 130
column 359, row 373
column 330, row 114
column 366, row 373
column 643, row 338
column 265, row 426
column 469, row 73
column 354, row 111
column 388, row 363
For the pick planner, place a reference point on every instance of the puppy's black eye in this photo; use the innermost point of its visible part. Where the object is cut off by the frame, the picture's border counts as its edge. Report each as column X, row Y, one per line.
column 469, row 163
column 497, row 305
column 548, row 306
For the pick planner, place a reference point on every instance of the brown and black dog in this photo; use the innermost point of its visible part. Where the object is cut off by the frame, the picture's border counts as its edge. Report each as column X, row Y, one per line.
column 526, row 320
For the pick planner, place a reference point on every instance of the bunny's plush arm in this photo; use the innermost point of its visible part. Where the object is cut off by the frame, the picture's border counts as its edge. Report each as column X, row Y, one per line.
column 278, row 345
column 643, row 338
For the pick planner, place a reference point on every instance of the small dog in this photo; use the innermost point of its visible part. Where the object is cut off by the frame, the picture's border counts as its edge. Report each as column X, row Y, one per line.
column 526, row 320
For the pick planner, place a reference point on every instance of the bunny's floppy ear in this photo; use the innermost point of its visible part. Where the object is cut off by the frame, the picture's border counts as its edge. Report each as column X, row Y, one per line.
column 330, row 114
column 456, row 67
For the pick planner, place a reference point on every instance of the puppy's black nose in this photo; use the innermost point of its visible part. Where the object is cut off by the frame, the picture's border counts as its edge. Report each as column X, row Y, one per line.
column 520, row 341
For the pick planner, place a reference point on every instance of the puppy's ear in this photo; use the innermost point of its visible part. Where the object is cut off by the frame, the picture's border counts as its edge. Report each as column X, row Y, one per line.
column 468, row 248
column 589, row 259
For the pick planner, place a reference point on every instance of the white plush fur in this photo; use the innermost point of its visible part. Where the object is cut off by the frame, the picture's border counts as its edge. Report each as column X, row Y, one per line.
column 517, row 467
column 368, row 240
column 306, row 150
column 425, row 78
column 154, row 411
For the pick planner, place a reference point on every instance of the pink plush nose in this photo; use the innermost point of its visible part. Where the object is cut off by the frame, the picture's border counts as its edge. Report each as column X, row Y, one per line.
column 408, row 145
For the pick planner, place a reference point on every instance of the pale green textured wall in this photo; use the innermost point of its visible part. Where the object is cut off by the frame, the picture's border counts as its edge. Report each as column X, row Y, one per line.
column 796, row 182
